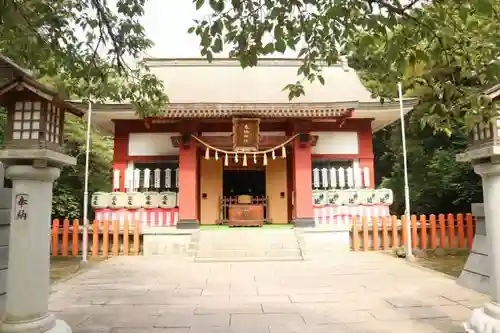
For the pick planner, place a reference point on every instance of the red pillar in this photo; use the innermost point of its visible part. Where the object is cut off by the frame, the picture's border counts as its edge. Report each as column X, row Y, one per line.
column 188, row 187
column 302, row 180
column 120, row 153
column 365, row 139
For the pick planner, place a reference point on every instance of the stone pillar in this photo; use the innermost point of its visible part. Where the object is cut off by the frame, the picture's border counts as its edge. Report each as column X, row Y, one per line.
column 188, row 187
column 28, row 279
column 487, row 318
column 302, row 180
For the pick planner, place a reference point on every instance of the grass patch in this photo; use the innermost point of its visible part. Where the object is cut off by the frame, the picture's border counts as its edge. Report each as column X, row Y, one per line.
column 451, row 263
column 65, row 267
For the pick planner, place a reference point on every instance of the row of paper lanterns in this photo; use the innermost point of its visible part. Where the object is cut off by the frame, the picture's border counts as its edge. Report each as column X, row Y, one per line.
column 353, row 197
column 134, row 200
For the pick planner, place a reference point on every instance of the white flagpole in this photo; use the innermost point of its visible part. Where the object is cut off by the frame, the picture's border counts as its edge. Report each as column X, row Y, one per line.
column 85, row 240
column 409, row 254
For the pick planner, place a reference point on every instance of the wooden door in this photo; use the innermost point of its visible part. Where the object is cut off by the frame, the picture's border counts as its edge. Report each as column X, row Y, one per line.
column 210, row 190
column 276, row 191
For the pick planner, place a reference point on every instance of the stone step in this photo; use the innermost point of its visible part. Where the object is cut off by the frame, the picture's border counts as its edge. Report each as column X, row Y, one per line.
column 247, row 259
column 249, row 253
column 247, row 245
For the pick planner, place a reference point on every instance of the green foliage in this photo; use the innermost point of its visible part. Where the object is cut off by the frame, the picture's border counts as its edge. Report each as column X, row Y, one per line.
column 438, row 183
column 68, row 190
column 85, row 45
column 451, row 47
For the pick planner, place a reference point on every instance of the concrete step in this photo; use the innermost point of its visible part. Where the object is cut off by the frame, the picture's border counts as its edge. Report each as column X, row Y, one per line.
column 247, row 245
column 247, row 259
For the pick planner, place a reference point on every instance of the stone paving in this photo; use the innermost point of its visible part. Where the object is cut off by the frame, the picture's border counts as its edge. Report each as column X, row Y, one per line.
column 354, row 292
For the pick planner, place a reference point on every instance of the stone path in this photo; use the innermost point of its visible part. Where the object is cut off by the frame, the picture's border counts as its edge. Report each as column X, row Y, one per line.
column 354, row 292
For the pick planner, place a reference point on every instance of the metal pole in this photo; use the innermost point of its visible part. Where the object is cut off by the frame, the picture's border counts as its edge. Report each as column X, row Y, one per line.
column 85, row 240
column 409, row 254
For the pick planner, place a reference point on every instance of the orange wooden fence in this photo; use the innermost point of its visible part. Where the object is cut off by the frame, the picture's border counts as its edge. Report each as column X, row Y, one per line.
column 105, row 239
column 427, row 232
column 368, row 234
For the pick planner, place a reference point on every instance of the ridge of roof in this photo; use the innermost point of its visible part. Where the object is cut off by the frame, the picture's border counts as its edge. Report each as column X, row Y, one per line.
column 229, row 62
column 16, row 67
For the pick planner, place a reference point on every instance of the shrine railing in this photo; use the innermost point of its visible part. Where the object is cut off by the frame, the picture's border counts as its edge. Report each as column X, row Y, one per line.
column 227, row 201
column 333, row 178
column 142, row 180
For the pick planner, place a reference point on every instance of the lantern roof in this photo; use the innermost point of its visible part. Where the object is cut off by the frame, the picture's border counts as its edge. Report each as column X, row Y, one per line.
column 23, row 82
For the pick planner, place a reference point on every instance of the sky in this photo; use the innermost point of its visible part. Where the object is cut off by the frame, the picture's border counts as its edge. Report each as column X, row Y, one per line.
column 166, row 23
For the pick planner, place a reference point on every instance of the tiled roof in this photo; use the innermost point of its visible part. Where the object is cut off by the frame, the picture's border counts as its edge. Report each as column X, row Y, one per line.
column 224, row 81
column 256, row 110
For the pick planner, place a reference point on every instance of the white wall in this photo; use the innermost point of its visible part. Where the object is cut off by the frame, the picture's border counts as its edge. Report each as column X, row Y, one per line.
column 151, row 144
column 336, row 143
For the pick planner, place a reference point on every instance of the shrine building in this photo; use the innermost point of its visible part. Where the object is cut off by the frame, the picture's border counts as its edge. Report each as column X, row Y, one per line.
column 232, row 149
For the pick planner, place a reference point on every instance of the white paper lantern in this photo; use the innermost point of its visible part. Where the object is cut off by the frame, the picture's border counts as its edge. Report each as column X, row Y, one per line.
column 319, row 197
column 168, row 199
column 100, row 200
column 118, row 200
column 151, row 199
column 134, row 200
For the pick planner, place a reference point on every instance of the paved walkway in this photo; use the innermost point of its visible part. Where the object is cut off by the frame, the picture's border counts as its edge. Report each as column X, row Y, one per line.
column 357, row 292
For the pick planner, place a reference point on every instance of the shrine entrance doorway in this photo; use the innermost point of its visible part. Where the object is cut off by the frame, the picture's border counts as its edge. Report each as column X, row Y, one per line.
column 244, row 201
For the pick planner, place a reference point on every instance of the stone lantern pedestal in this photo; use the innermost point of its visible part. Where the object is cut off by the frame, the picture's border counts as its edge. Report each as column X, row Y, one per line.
column 484, row 153
column 33, row 158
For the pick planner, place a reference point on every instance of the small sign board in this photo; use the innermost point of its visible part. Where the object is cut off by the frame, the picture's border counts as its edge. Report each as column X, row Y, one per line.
column 246, row 134
column 21, row 205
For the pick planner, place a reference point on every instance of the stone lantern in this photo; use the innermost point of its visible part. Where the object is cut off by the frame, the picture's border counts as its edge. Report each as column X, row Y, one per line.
column 484, row 153
column 33, row 155
column 35, row 123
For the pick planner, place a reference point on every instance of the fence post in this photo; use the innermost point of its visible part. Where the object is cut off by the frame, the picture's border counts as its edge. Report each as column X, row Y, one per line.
column 125, row 238
column 105, row 239
column 74, row 241
column 442, row 231
column 375, row 230
column 433, row 231
column 403, row 230
column 395, row 232
column 137, row 231
column 451, row 231
column 460, row 230
column 95, row 239
column 65, row 237
column 423, row 232
column 385, row 234
column 116, row 238
column 470, row 230
column 55, row 237
column 355, row 234
column 414, row 232
column 365, row 234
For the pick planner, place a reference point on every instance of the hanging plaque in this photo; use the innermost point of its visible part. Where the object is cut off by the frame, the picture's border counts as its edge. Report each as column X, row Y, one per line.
column 246, row 134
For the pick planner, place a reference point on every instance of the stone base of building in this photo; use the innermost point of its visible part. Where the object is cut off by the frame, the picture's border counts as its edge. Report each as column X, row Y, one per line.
column 169, row 241
column 304, row 222
column 317, row 242
column 188, row 224
column 482, row 322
